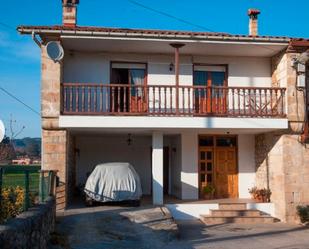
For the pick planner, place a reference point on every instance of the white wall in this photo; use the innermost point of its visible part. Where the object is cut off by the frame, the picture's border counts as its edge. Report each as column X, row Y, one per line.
column 95, row 68
column 189, row 170
column 246, row 164
column 114, row 148
column 183, row 160
column 189, row 174
column 175, row 172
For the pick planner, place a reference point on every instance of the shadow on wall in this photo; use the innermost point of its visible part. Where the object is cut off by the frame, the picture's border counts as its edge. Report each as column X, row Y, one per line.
column 264, row 144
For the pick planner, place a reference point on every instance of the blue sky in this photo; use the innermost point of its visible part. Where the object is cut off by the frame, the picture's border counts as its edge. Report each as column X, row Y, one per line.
column 20, row 60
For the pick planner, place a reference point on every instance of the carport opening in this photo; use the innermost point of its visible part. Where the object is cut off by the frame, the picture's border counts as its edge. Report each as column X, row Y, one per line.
column 93, row 149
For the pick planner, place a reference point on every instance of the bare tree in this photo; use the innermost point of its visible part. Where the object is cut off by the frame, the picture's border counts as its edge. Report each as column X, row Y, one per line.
column 7, row 150
column 14, row 133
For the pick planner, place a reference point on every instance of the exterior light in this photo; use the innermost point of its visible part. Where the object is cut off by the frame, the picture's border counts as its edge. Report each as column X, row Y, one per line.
column 171, row 67
column 129, row 140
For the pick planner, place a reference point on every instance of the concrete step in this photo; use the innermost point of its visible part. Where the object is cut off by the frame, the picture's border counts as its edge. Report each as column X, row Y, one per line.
column 211, row 220
column 235, row 213
column 232, row 206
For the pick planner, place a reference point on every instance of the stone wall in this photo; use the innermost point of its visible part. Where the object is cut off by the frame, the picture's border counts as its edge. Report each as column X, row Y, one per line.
column 54, row 140
column 296, row 172
column 282, row 161
column 270, row 169
column 54, row 157
column 31, row 229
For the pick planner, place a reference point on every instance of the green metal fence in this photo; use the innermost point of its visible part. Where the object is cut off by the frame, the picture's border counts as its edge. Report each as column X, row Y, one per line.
column 30, row 181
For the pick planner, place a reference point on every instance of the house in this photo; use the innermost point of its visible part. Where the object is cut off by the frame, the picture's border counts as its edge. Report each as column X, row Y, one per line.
column 22, row 161
column 187, row 109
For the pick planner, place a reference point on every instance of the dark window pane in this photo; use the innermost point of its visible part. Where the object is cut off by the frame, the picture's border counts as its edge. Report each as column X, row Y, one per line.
column 202, row 155
column 202, row 177
column 200, row 79
column 203, row 167
column 209, row 155
column 226, row 141
column 209, row 166
column 217, row 78
column 209, row 178
column 206, row 141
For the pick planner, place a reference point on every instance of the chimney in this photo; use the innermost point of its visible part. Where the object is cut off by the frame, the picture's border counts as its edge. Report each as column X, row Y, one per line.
column 253, row 21
column 69, row 12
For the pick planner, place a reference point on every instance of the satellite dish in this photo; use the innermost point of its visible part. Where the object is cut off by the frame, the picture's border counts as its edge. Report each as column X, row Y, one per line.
column 2, row 131
column 54, row 51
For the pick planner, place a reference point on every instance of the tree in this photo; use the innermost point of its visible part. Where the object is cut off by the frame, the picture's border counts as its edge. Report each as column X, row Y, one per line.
column 7, row 151
column 32, row 148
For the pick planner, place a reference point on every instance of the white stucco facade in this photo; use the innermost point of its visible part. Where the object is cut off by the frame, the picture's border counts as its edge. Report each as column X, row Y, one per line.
column 103, row 138
column 95, row 68
column 145, row 153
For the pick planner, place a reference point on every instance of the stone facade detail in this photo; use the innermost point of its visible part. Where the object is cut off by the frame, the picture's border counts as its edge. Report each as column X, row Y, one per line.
column 50, row 89
column 30, row 229
column 281, row 159
column 54, row 157
column 69, row 12
column 54, row 140
column 269, row 168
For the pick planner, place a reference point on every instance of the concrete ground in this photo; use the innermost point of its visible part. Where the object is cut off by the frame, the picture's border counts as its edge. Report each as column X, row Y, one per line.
column 148, row 227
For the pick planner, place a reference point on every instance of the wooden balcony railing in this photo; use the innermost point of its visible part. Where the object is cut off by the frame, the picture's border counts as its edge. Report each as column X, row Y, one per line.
column 161, row 100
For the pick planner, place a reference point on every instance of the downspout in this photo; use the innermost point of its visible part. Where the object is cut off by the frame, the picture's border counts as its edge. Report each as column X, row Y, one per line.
column 35, row 39
column 304, row 60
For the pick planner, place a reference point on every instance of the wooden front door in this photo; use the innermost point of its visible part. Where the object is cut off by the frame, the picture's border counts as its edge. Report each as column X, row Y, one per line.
column 218, row 165
column 226, row 175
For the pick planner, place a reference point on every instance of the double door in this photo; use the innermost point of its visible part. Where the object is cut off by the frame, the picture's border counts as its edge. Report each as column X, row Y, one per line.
column 218, row 166
column 129, row 91
column 210, row 94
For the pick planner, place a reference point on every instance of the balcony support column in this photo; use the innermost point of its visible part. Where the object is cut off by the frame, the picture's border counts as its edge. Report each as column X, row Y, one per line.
column 157, row 168
column 176, row 47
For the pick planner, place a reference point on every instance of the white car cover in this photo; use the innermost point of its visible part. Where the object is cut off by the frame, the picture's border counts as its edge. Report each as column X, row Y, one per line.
column 113, row 182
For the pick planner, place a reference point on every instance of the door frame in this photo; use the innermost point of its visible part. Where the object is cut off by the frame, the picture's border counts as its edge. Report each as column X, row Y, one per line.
column 209, row 105
column 145, row 100
column 215, row 65
column 128, row 62
column 214, row 158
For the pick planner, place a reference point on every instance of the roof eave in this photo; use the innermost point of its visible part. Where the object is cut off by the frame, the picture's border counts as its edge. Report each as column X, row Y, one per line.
column 42, row 31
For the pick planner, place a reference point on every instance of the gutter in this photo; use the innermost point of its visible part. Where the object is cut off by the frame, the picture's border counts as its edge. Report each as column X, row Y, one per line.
column 126, row 34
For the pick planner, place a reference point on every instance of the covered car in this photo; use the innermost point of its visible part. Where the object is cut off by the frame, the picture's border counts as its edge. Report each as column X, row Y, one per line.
column 113, row 182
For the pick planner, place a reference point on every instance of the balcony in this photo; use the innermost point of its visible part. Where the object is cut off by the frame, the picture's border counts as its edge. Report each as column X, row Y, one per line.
column 170, row 100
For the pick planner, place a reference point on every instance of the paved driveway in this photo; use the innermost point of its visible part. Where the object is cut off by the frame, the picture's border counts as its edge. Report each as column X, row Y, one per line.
column 234, row 236
column 147, row 227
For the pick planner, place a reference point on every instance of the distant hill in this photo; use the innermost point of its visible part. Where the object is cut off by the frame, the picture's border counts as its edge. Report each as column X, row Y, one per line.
column 28, row 146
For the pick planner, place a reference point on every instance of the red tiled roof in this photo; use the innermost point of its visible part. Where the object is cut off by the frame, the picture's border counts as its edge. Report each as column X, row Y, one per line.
column 119, row 30
column 125, row 31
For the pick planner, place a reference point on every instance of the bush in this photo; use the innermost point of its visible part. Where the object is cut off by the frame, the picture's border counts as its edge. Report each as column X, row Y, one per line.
column 303, row 213
column 11, row 203
column 208, row 189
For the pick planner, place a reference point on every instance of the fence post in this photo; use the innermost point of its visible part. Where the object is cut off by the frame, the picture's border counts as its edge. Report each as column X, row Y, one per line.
column 41, row 196
column 26, row 200
column 50, row 177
